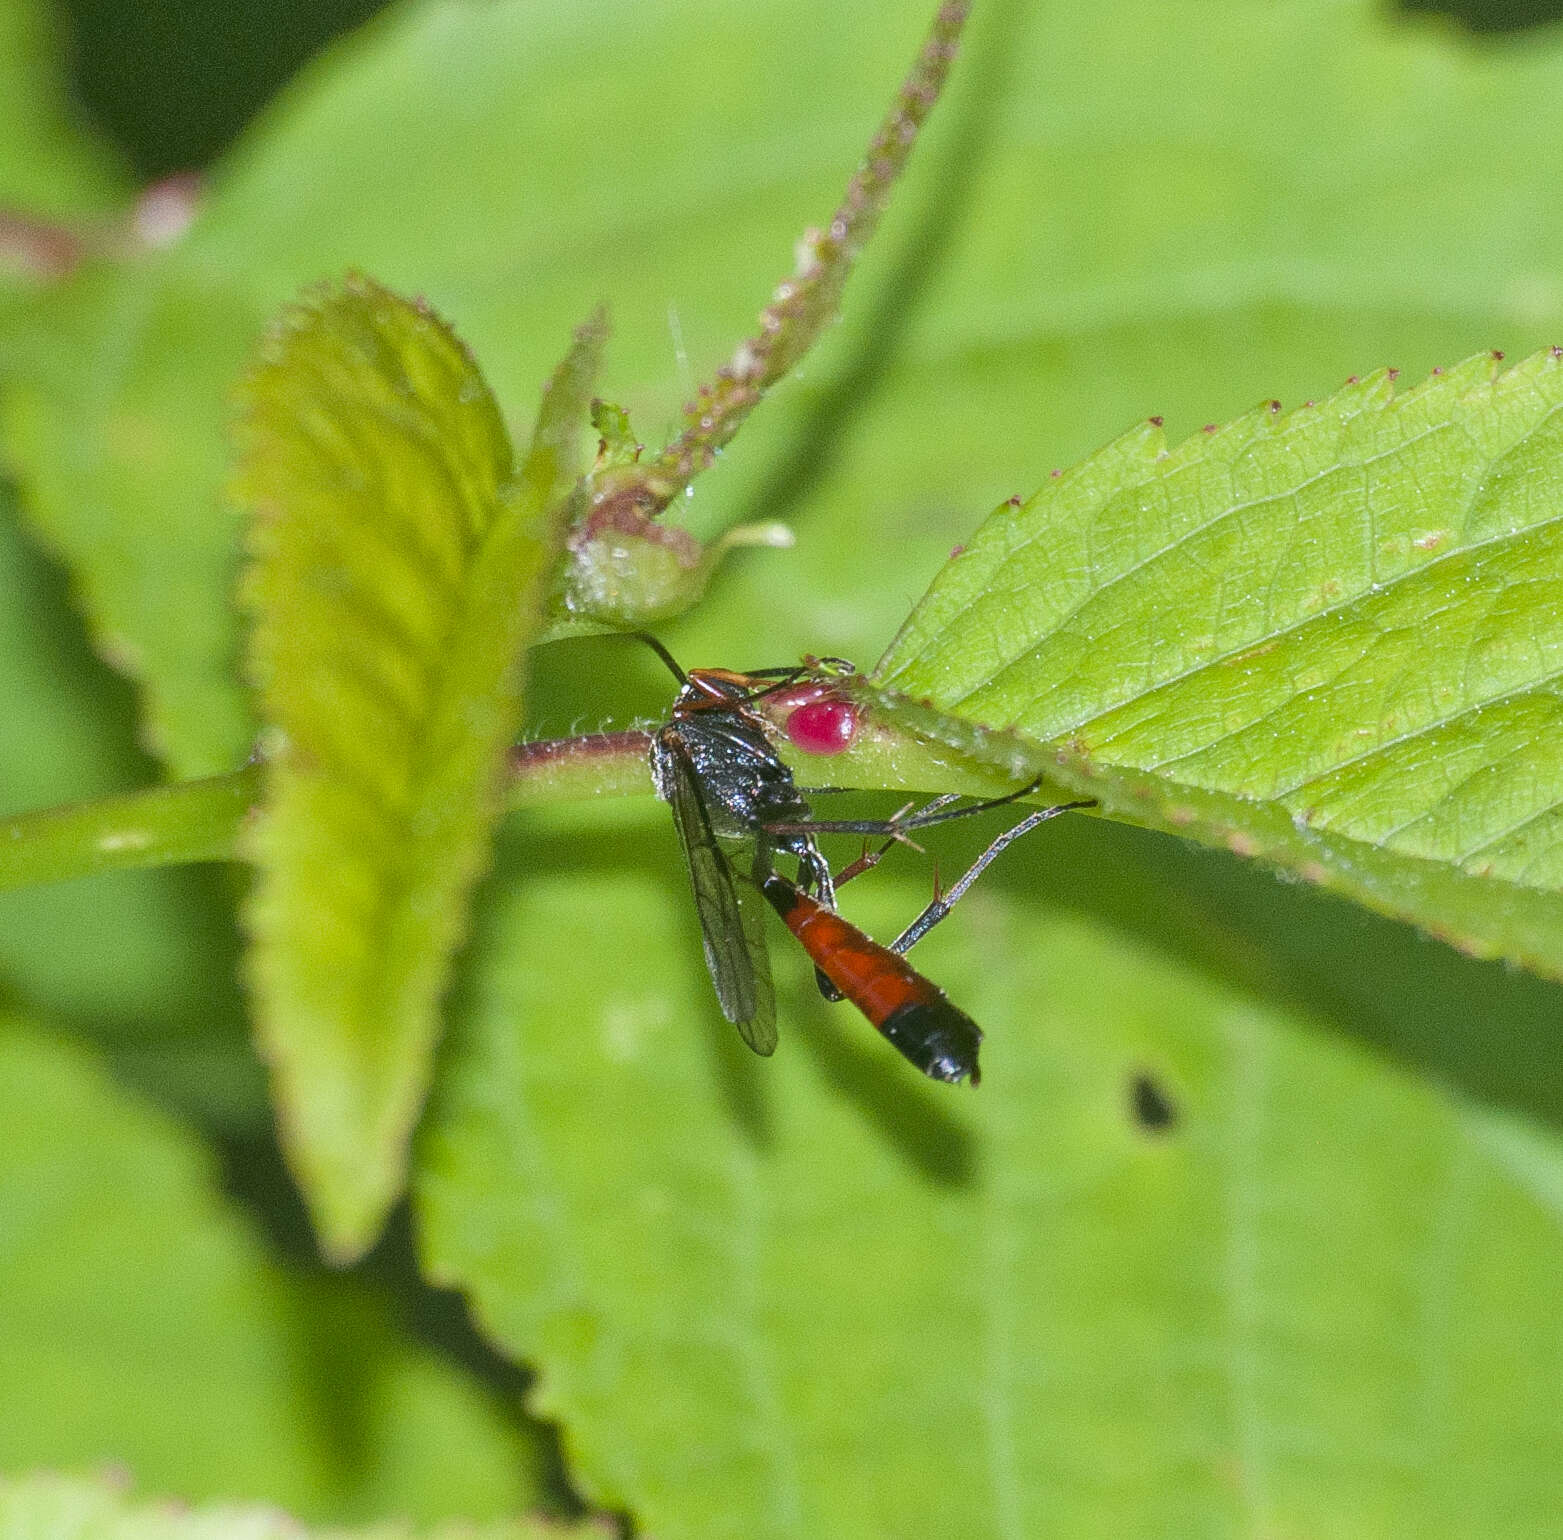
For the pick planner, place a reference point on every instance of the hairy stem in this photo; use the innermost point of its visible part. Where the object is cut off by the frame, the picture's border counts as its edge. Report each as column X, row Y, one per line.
column 804, row 303
column 202, row 820
column 161, row 826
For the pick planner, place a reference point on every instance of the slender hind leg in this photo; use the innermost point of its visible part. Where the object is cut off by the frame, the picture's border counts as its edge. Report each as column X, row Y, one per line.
column 943, row 902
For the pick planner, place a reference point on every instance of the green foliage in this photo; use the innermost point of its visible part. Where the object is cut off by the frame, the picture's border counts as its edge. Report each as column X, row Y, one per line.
column 616, row 441
column 146, row 1327
column 400, row 567
column 48, row 166
column 1330, row 638
column 816, row 1295
column 1145, row 238
column 143, row 962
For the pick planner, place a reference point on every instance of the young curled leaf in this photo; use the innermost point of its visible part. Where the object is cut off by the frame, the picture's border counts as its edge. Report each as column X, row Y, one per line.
column 616, row 441
column 399, row 565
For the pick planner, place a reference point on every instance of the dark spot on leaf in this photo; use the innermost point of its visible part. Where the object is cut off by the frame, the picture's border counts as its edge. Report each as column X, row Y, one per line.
column 1150, row 1105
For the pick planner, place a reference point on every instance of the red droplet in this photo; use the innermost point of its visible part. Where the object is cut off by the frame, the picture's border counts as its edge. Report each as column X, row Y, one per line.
column 823, row 724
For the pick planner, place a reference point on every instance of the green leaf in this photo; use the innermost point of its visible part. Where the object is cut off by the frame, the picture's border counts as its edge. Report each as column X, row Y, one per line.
column 1116, row 242
column 49, row 166
column 143, row 962
column 48, row 1507
column 1330, row 638
column 399, row 568
column 617, row 444
column 129, row 496
column 144, row 1327
column 817, row 1295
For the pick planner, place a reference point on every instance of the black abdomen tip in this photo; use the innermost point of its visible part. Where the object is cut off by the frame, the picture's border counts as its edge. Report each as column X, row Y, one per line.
column 939, row 1039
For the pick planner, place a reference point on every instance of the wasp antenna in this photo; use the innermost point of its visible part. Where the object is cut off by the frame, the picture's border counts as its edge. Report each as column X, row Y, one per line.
column 662, row 652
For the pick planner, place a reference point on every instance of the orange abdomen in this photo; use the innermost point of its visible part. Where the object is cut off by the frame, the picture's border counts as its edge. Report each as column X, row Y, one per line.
column 911, row 1012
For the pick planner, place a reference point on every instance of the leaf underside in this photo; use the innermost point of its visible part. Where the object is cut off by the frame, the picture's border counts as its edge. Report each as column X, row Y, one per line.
column 818, row 1295
column 1330, row 638
column 397, row 569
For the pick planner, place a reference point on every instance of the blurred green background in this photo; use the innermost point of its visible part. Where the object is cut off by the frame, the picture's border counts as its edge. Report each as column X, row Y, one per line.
column 172, row 84
column 168, row 87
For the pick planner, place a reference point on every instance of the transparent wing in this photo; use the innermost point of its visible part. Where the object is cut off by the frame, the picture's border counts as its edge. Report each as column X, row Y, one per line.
column 759, row 1032
column 730, row 927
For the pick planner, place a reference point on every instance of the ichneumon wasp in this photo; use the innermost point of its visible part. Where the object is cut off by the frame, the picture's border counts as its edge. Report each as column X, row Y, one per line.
column 733, row 797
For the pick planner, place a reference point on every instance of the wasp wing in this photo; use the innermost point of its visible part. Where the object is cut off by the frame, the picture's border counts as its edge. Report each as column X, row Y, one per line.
column 731, row 928
column 759, row 1032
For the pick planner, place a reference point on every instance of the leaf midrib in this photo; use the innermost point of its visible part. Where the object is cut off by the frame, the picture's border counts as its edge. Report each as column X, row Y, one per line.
column 1463, row 551
column 395, row 895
